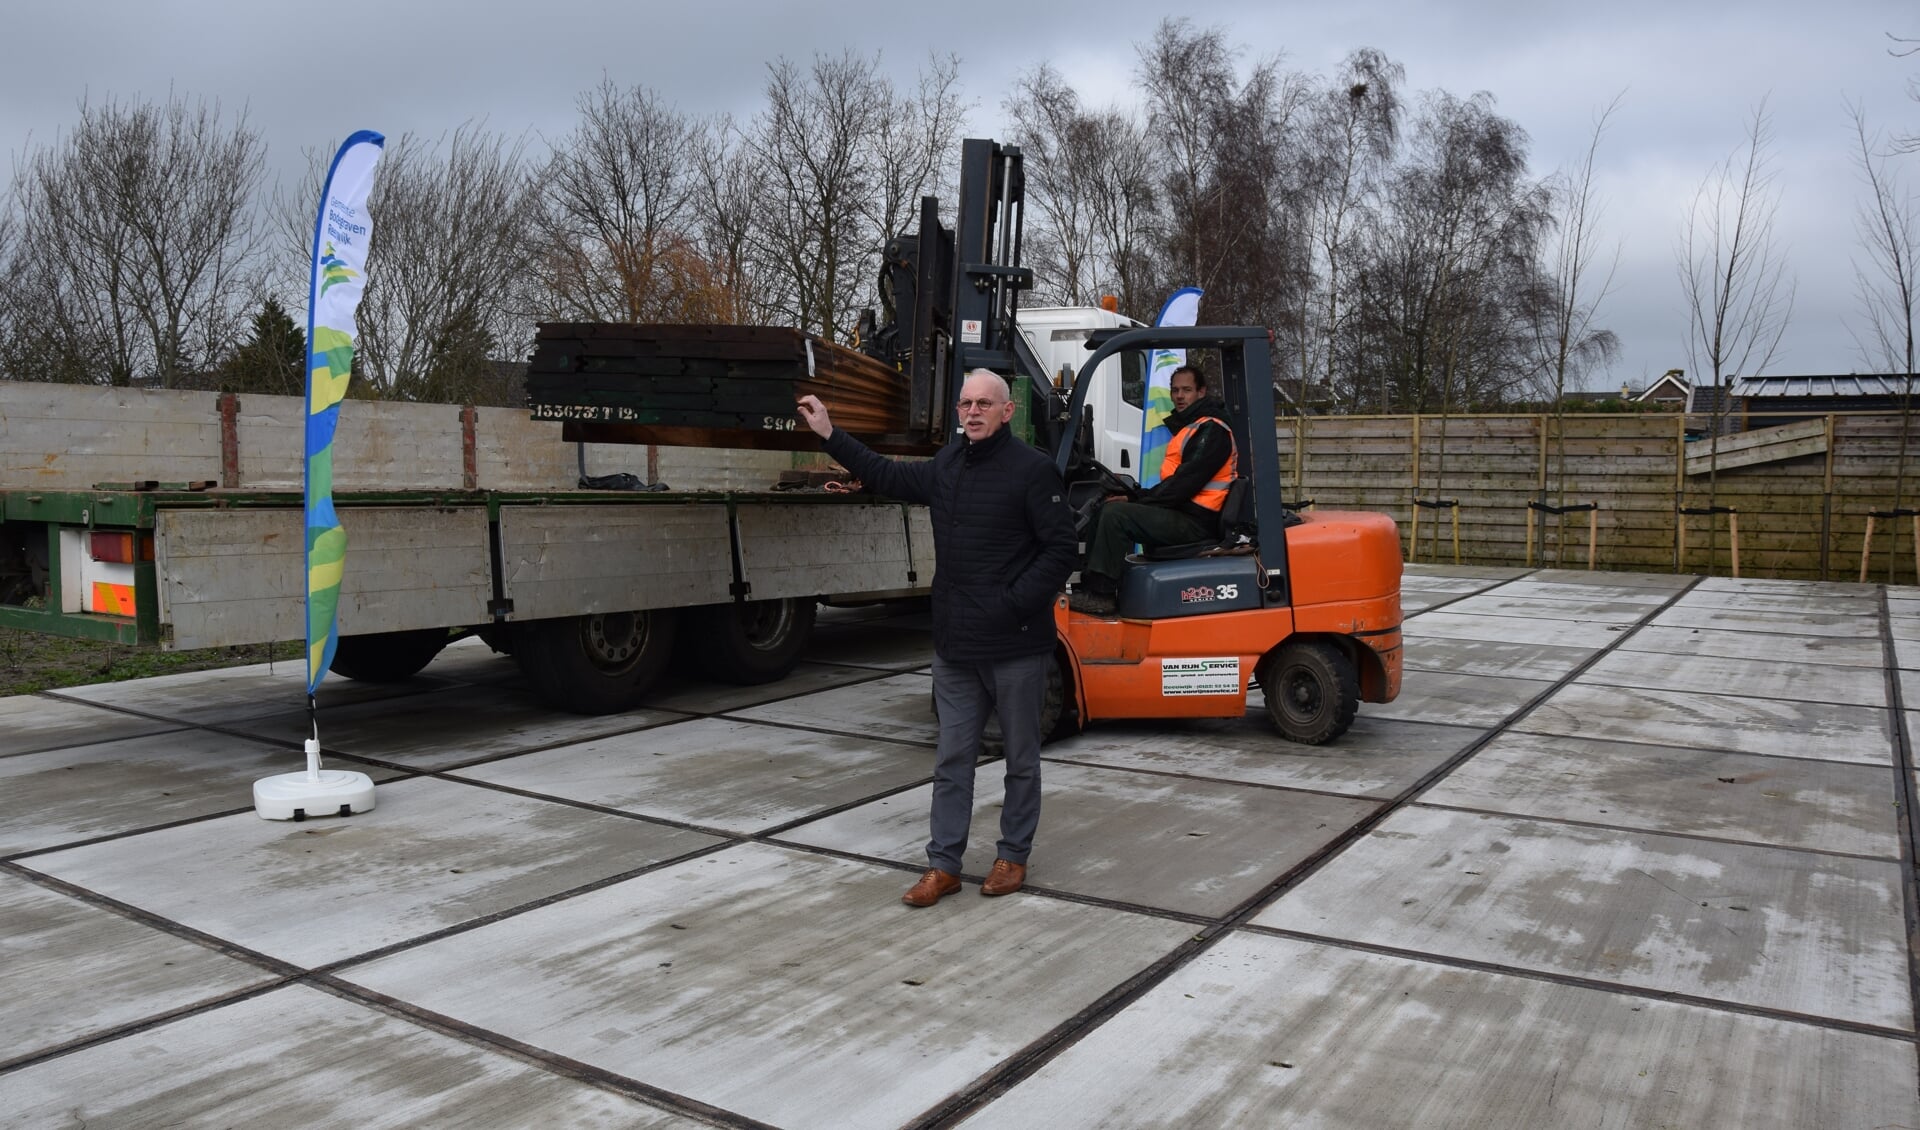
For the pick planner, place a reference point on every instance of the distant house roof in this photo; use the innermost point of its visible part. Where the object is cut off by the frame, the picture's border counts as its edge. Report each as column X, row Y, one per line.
column 1706, row 398
column 1877, row 385
column 1670, row 386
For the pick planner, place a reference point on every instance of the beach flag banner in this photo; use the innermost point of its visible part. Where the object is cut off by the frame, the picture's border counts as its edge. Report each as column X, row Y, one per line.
column 341, row 233
column 1182, row 308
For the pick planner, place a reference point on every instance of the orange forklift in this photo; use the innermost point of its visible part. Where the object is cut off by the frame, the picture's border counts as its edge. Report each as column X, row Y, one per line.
column 1304, row 606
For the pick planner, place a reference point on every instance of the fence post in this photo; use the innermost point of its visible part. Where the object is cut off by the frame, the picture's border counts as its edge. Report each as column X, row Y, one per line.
column 1826, row 503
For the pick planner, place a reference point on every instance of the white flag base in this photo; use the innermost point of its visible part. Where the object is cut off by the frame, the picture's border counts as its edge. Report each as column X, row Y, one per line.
column 316, row 792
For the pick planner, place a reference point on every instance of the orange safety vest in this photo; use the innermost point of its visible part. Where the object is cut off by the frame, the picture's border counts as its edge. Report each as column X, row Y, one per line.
column 1214, row 495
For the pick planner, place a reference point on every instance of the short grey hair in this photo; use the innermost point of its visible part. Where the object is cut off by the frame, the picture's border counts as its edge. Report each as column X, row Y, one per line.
column 1006, row 390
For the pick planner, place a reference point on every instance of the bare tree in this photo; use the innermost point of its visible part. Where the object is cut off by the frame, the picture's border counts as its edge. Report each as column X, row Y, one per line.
column 1580, row 274
column 1451, row 266
column 1906, row 49
column 1887, row 285
column 1732, row 274
column 1124, row 209
column 139, row 238
column 1047, row 123
column 1353, row 126
column 840, row 160
column 914, row 146
column 818, row 186
column 1186, row 76
column 452, row 227
column 617, row 200
column 1231, row 222
column 1090, row 193
column 730, row 184
column 14, row 327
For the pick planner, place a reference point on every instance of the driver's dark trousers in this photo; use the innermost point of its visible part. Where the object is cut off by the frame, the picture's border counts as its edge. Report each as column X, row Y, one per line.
column 1120, row 525
column 967, row 694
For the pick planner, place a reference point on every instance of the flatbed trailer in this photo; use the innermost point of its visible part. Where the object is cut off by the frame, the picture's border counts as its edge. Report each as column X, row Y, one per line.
column 107, row 532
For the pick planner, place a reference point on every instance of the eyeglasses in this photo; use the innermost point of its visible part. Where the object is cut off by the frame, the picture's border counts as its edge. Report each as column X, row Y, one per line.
column 979, row 405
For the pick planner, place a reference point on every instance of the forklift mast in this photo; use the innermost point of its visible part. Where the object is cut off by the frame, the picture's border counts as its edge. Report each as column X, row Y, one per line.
column 951, row 296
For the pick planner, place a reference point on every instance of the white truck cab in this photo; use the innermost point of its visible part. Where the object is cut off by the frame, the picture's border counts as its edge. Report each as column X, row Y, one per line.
column 1058, row 336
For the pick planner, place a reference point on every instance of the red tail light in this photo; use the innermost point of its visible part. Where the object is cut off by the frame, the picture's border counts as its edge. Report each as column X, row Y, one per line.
column 117, row 546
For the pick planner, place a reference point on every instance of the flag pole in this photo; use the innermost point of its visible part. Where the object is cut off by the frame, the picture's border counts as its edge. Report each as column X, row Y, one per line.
column 342, row 232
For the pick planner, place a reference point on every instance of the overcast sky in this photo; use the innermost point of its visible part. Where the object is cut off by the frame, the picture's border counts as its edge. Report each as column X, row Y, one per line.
column 1691, row 75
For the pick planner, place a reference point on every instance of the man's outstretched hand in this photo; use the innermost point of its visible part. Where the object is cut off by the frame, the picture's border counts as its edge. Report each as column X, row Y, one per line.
column 814, row 414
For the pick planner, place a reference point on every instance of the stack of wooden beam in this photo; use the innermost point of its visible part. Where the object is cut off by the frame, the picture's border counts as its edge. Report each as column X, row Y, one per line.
column 706, row 386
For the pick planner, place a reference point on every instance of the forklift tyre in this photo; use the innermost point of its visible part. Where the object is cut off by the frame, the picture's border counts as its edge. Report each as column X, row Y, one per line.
column 1059, row 719
column 1312, row 691
column 386, row 657
column 601, row 664
column 757, row 641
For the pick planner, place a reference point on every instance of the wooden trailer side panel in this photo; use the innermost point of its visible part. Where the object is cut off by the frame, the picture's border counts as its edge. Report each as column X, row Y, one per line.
column 797, row 549
column 70, row 437
column 229, row 577
column 579, row 560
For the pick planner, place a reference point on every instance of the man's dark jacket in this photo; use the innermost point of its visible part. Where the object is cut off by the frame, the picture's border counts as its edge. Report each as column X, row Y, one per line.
column 1200, row 460
column 1003, row 539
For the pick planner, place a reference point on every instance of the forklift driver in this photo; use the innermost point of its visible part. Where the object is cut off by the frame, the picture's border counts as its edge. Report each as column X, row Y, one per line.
column 1183, row 507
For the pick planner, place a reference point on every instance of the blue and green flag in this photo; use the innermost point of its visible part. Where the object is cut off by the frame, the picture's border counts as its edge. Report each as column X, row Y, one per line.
column 1182, row 308
column 341, row 233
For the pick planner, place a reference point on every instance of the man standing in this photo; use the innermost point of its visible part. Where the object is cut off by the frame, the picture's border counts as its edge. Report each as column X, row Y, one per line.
column 1184, row 506
column 1004, row 545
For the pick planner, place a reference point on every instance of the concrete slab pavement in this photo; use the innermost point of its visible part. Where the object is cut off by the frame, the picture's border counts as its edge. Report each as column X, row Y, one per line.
column 1752, row 678
column 1785, row 801
column 1482, row 657
column 301, row 1057
column 692, row 917
column 1377, row 757
column 63, row 796
column 1182, row 845
column 899, row 708
column 1267, row 1031
column 30, row 723
column 433, row 855
column 734, row 776
column 105, row 970
column 452, row 726
column 1448, row 625
column 1734, row 644
column 788, row 987
column 228, row 694
column 1814, row 935
column 1782, row 727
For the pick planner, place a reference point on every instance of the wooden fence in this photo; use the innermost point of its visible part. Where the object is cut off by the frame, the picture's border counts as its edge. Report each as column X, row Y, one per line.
column 1800, row 492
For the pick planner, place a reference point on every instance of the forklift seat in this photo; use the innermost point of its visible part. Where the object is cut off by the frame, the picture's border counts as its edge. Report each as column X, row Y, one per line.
column 1237, row 532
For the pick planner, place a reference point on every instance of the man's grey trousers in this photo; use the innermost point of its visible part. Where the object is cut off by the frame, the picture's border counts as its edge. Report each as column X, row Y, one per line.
column 966, row 695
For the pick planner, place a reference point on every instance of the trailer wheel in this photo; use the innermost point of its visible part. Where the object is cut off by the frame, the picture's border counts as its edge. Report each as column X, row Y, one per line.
column 600, row 664
column 1312, row 691
column 757, row 641
column 386, row 657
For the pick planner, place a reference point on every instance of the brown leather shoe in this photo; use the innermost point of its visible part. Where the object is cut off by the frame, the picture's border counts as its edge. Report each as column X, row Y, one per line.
column 1005, row 878
column 932, row 887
